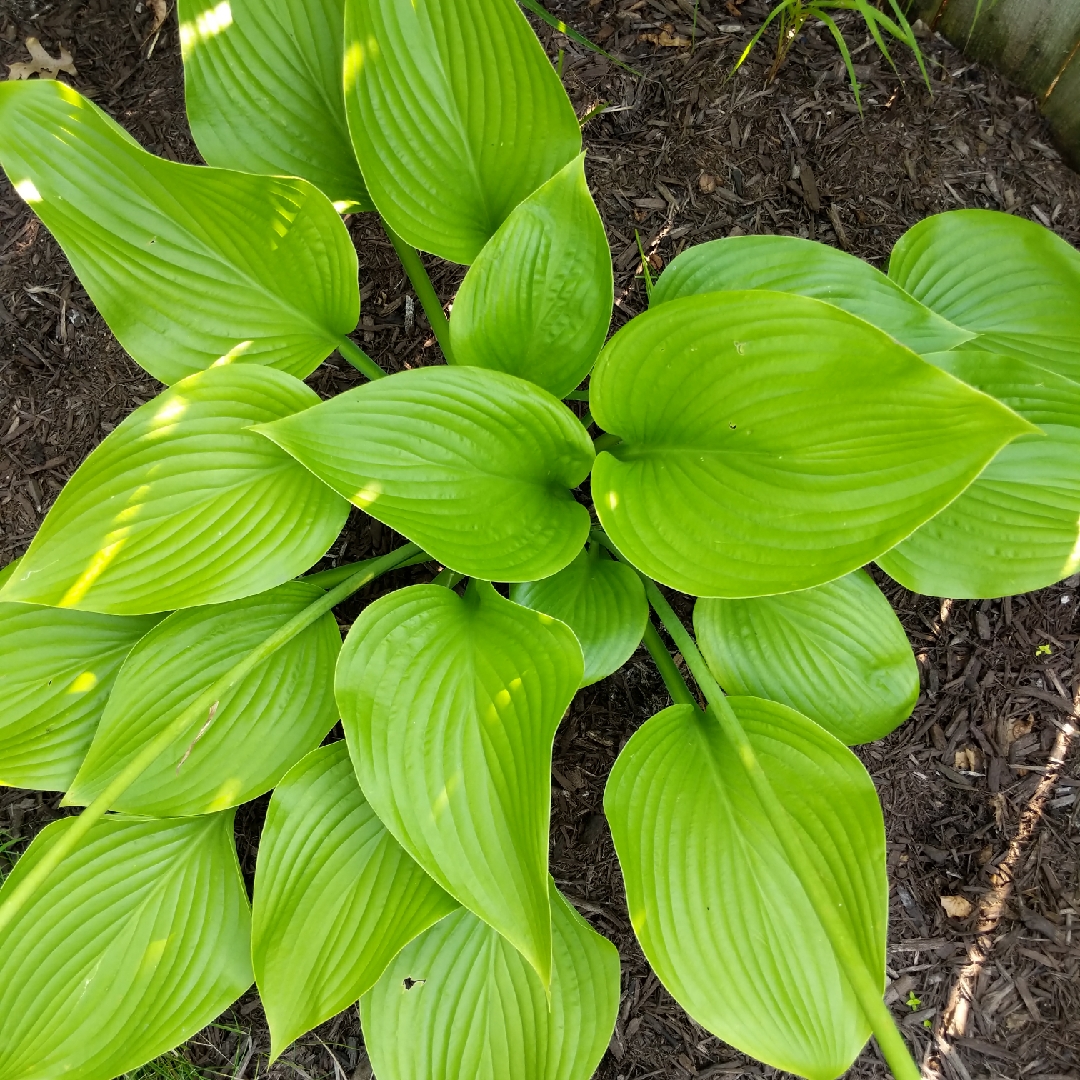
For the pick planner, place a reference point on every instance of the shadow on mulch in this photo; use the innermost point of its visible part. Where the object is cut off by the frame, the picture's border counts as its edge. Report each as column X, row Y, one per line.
column 976, row 805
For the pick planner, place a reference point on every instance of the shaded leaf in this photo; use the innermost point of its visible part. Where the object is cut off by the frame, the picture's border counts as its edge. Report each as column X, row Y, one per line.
column 183, row 504
column 601, row 600
column 335, row 899
column 262, row 83
column 720, row 914
column 56, row 672
column 259, row 729
column 836, row 653
column 460, row 1001
column 537, row 301
column 456, row 115
column 186, row 264
column 138, row 940
column 450, row 707
column 474, row 466
column 724, row 485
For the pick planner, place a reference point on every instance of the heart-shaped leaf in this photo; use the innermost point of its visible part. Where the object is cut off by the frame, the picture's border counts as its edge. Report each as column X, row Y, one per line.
column 1011, row 281
column 788, row 264
column 456, row 115
column 56, row 672
column 139, row 939
column 836, row 653
column 537, row 301
column 450, row 707
column 336, row 897
column 721, row 915
column 725, row 485
column 460, row 1001
column 1017, row 528
column 601, row 600
column 262, row 82
column 183, row 504
column 186, row 264
column 474, row 466
column 258, row 730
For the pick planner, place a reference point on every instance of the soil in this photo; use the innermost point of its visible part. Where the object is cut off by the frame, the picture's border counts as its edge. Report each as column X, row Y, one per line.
column 979, row 787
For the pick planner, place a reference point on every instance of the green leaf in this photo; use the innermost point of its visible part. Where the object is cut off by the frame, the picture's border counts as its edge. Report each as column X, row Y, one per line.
column 460, row 1002
column 771, row 442
column 183, row 504
column 836, row 653
column 1011, row 281
column 788, row 264
column 474, row 466
column 262, row 82
column 456, row 116
column 336, row 898
column 720, row 914
column 601, row 600
column 260, row 728
column 537, row 301
column 139, row 939
column 56, row 672
column 186, row 264
column 450, row 707
column 1017, row 528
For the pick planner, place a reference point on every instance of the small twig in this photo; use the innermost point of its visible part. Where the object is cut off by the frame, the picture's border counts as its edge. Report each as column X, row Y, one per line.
column 202, row 732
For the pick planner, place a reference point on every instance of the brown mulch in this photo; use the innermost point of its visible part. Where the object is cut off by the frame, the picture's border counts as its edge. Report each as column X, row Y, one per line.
column 975, row 805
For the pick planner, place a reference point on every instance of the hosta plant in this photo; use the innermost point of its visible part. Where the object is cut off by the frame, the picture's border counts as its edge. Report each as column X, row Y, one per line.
column 781, row 416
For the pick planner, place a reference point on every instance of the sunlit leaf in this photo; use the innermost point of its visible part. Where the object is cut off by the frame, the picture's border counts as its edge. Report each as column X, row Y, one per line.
column 259, row 729
column 601, row 600
column 461, row 1002
column 720, row 914
column 450, row 707
column 134, row 943
column 183, row 504
column 474, row 466
column 186, row 264
column 537, row 301
column 335, row 897
column 788, row 264
column 456, row 115
column 262, row 83
column 772, row 442
column 56, row 672
column 836, row 653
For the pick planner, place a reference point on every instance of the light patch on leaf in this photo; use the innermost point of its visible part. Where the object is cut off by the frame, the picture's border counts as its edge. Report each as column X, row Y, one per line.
column 41, row 63
column 207, row 24
column 957, row 907
column 84, row 682
column 28, row 191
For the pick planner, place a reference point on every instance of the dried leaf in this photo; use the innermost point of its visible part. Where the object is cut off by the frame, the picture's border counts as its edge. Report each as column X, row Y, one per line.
column 667, row 38
column 957, row 907
column 41, row 63
column 160, row 10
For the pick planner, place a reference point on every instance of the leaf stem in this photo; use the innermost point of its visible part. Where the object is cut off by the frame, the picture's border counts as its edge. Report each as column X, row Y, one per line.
column 831, row 917
column 195, row 713
column 606, row 441
column 359, row 359
column 425, row 291
column 327, row 579
column 673, row 680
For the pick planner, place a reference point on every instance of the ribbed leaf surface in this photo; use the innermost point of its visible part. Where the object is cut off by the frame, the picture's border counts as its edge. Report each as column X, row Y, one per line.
column 1017, row 528
column 139, row 939
column 474, row 466
column 601, row 600
column 450, row 707
column 788, row 264
column 836, row 653
column 262, row 82
column 1012, row 282
column 185, row 264
column 460, row 1001
column 719, row 912
column 260, row 728
column 537, row 301
column 772, row 442
column 456, row 115
column 56, row 672
column 336, row 897
column 183, row 504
